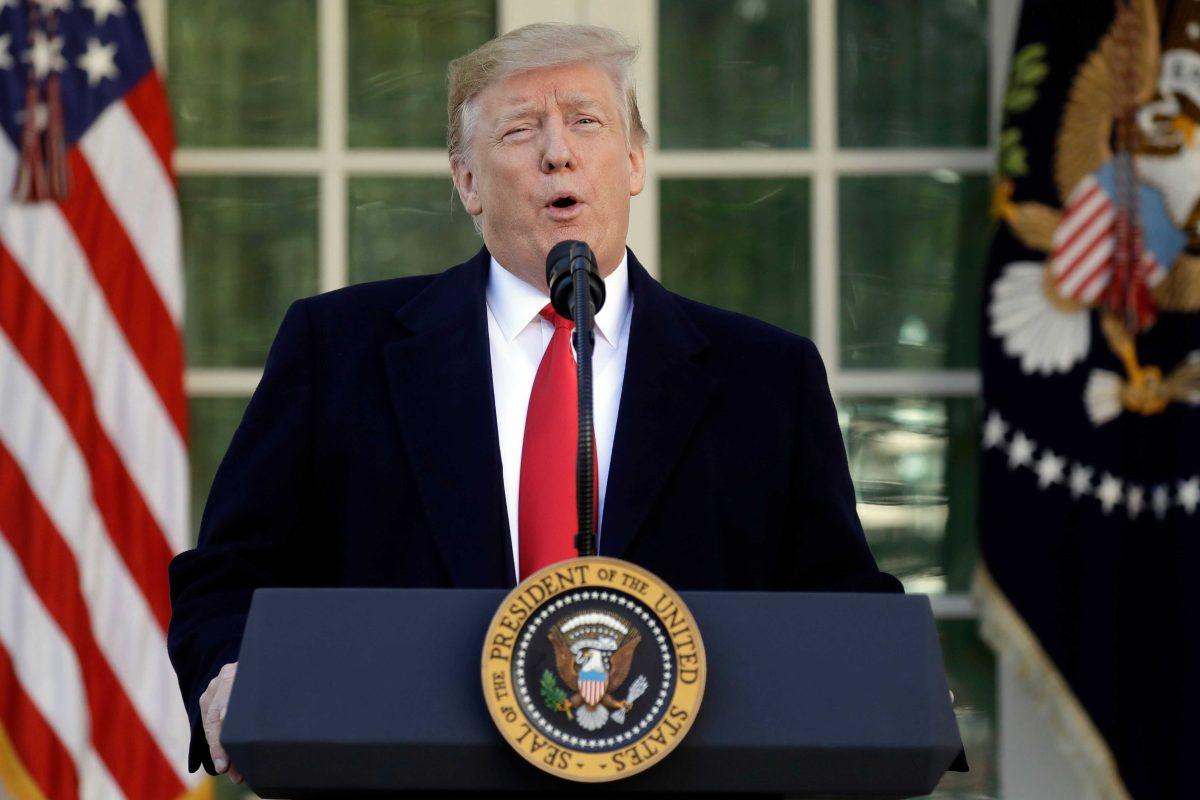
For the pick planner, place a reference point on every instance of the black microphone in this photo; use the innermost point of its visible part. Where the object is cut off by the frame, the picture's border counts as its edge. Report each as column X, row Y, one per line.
column 577, row 293
column 563, row 262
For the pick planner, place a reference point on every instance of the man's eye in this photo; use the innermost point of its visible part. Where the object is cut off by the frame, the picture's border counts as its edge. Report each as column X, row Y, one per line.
column 590, row 120
column 516, row 130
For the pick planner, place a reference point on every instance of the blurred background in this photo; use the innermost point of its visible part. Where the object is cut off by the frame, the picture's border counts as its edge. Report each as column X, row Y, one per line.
column 821, row 165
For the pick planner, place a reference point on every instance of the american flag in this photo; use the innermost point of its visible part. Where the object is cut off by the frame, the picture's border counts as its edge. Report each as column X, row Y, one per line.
column 93, row 416
column 1084, row 243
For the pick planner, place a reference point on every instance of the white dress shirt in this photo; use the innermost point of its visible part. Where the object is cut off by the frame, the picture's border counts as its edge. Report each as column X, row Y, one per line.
column 517, row 338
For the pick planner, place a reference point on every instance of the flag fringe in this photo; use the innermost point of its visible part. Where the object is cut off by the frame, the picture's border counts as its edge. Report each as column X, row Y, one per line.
column 16, row 782
column 14, row 778
column 204, row 790
column 1077, row 736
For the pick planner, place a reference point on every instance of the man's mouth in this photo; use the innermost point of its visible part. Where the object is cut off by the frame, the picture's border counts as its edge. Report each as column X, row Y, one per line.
column 564, row 201
column 564, row 207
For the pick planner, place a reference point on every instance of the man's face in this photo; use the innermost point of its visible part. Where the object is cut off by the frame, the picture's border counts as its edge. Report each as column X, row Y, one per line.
column 550, row 161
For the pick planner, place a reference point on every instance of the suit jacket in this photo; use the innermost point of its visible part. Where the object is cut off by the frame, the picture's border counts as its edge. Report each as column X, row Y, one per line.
column 368, row 456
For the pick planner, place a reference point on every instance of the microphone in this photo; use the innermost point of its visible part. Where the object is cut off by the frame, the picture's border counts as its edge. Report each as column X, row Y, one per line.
column 577, row 293
column 563, row 262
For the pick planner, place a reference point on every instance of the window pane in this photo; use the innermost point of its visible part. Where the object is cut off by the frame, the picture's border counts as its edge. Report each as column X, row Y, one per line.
column 407, row 226
column 914, row 462
column 213, row 421
column 912, row 252
column 971, row 670
column 741, row 245
column 913, row 74
column 733, row 74
column 243, row 74
column 399, row 50
column 250, row 249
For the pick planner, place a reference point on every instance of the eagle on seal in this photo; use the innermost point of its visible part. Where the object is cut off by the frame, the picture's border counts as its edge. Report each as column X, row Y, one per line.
column 593, row 653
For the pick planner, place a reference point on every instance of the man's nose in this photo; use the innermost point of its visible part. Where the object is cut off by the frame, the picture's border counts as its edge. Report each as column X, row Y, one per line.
column 556, row 154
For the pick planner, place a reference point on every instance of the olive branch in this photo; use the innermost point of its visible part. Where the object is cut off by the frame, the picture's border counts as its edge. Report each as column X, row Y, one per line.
column 1028, row 70
column 553, row 695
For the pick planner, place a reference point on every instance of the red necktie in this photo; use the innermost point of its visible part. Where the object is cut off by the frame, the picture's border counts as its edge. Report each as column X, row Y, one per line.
column 547, row 514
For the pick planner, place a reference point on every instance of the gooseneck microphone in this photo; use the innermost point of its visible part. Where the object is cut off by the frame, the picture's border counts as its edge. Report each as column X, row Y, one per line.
column 577, row 293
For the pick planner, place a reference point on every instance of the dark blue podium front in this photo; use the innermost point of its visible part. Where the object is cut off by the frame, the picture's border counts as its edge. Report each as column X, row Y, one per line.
column 344, row 692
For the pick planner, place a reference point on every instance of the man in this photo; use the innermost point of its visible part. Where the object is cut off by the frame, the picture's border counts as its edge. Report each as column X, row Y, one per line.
column 404, row 433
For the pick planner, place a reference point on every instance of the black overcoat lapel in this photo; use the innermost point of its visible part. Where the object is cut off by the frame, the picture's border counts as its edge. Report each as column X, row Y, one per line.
column 665, row 390
column 440, row 378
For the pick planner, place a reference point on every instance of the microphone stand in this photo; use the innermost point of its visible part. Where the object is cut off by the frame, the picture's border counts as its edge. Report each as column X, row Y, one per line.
column 585, row 462
column 576, row 291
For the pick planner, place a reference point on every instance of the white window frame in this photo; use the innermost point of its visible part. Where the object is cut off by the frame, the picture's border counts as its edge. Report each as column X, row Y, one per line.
column 334, row 163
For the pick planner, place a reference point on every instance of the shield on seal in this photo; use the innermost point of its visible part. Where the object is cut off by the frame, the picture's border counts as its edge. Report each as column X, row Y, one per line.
column 592, row 684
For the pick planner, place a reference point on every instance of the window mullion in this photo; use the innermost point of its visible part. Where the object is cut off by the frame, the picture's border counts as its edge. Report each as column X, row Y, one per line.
column 638, row 21
column 1002, row 28
column 909, row 382
column 154, row 18
column 823, row 76
column 331, row 47
column 221, row 381
column 512, row 14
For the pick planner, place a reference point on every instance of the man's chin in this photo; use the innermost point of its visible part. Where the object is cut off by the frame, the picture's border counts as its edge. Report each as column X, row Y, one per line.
column 575, row 231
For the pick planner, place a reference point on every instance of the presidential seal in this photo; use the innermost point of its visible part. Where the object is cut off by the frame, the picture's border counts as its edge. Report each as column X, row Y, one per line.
column 593, row 669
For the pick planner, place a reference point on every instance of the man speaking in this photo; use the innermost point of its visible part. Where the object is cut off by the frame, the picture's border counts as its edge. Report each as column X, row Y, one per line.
column 421, row 431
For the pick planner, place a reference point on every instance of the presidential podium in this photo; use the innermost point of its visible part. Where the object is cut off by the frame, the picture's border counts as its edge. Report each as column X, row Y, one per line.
column 376, row 692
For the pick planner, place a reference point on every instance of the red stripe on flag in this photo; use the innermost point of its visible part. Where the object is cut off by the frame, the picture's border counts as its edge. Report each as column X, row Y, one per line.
column 118, row 734
column 43, row 344
column 147, row 101
column 132, row 296
column 42, row 754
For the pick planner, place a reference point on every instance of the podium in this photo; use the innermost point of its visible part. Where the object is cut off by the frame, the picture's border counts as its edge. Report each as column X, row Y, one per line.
column 376, row 692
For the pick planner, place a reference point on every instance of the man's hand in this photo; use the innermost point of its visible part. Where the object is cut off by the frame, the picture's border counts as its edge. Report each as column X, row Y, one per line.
column 213, row 705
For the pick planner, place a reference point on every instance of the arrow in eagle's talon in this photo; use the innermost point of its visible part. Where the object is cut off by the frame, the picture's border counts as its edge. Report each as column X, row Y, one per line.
column 635, row 691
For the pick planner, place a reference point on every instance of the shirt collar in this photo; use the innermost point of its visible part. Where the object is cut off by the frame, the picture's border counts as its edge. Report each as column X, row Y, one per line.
column 515, row 303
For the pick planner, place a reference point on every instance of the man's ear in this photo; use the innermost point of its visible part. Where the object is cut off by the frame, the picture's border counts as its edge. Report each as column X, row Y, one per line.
column 637, row 169
column 468, row 188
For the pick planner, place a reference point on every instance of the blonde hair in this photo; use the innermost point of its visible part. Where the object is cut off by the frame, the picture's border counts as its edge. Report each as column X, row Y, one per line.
column 536, row 47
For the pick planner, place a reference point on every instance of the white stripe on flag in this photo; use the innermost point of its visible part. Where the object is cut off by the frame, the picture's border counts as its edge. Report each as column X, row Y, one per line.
column 99, row 784
column 46, row 665
column 125, row 629
column 142, row 196
column 127, row 405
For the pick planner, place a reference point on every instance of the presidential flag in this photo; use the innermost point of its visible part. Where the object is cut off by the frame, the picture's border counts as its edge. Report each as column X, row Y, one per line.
column 1090, row 496
column 93, row 416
